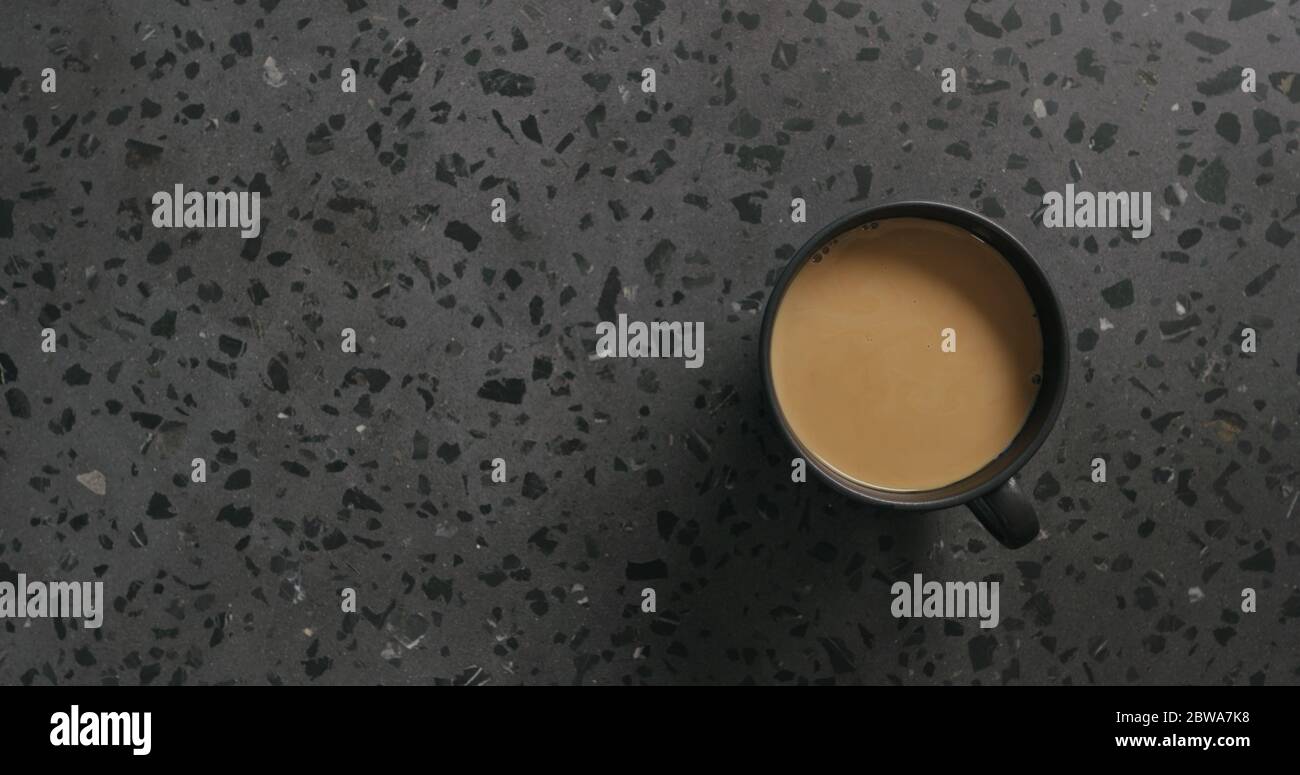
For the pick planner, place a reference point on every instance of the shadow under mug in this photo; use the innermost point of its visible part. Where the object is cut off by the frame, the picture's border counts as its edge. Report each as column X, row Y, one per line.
column 991, row 492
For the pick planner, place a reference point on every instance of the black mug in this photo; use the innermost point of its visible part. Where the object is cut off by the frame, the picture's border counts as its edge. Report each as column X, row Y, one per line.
column 991, row 492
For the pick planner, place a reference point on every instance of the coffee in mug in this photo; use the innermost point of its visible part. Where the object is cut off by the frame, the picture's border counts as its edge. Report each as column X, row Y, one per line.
column 906, row 354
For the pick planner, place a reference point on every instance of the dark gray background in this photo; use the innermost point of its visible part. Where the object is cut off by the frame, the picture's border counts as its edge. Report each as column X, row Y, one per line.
column 476, row 339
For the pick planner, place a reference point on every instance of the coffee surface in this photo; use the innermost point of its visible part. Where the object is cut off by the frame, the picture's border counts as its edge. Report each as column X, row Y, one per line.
column 858, row 360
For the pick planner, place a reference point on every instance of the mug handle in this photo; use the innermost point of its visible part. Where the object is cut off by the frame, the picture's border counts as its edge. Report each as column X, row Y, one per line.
column 1007, row 514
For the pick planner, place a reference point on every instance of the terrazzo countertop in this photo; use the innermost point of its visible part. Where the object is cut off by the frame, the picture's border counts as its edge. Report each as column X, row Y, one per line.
column 371, row 470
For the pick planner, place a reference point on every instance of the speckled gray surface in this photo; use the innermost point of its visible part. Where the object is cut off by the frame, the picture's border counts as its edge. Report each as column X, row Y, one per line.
column 331, row 470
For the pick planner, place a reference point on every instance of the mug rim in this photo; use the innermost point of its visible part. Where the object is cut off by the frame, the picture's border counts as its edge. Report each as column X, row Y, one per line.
column 1025, row 267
